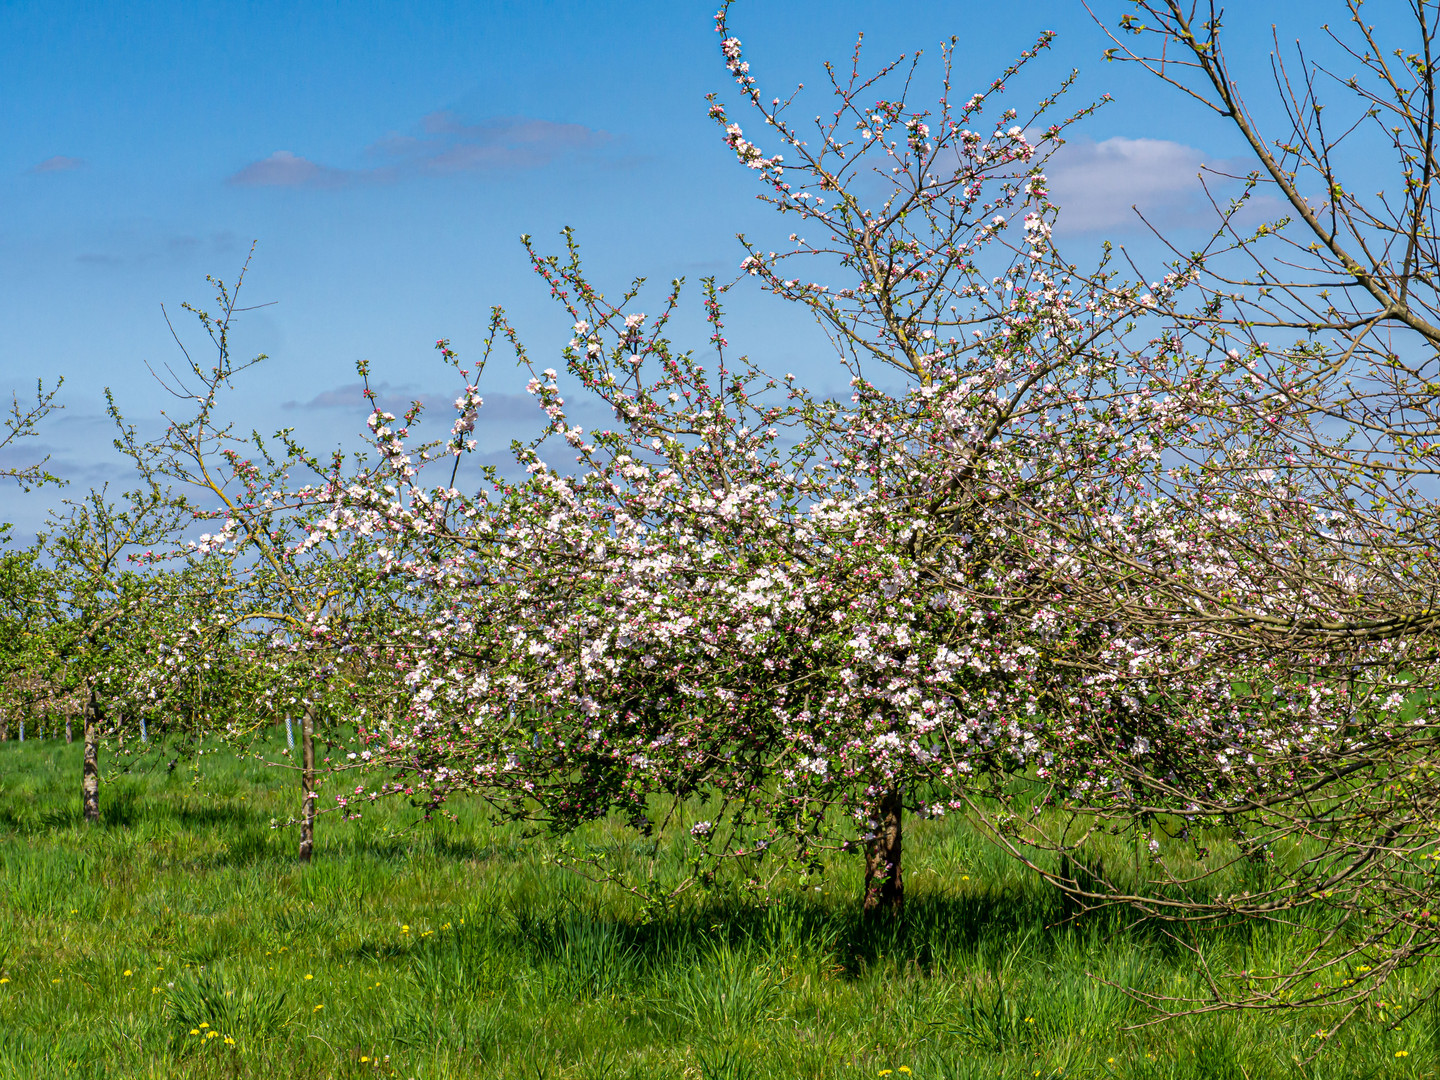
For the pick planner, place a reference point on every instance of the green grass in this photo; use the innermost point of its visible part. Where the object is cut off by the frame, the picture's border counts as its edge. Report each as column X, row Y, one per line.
column 459, row 949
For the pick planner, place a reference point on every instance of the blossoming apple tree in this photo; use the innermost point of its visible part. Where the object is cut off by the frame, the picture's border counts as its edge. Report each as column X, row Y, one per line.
column 787, row 604
column 302, row 617
column 92, row 609
column 1288, row 549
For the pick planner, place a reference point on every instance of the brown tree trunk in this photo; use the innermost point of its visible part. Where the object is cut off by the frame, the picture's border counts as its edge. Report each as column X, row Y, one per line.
column 90, row 771
column 884, row 886
column 307, row 784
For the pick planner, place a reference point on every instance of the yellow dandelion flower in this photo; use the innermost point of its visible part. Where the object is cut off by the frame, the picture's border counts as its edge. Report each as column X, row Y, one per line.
column 4, row 980
column 404, row 929
column 884, row 1072
column 317, row 1008
column 204, row 1024
column 128, row 973
column 211, row 1034
column 363, row 1059
column 229, row 1040
column 194, row 1031
column 309, row 976
column 1402, row 1053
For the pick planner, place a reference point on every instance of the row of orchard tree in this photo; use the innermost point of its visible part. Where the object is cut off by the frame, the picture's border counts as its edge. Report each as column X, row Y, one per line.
column 1081, row 552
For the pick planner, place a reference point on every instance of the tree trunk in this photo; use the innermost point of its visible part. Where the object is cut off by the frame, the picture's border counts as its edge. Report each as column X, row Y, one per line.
column 884, row 886
column 69, row 734
column 307, row 784
column 90, row 772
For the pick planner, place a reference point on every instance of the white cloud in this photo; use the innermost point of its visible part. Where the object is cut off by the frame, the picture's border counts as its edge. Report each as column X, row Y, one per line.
column 1100, row 185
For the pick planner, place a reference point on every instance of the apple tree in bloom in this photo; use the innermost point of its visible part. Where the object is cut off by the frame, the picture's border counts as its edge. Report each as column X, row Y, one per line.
column 816, row 614
column 91, row 608
column 23, row 582
column 281, row 604
column 1278, row 572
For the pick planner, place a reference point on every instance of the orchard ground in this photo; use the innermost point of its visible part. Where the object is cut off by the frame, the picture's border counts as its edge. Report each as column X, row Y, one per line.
column 181, row 938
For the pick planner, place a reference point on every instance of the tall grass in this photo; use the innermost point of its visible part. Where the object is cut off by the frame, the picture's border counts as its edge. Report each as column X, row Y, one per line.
column 181, row 939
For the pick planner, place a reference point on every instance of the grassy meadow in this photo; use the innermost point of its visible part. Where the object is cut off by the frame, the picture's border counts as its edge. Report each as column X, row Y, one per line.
column 181, row 939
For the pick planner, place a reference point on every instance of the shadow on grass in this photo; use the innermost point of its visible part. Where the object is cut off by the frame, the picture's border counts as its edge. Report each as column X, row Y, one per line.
column 936, row 933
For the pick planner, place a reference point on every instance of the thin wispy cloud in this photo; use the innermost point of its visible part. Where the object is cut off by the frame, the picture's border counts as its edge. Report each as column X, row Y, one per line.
column 1101, row 185
column 447, row 144
column 80, row 473
column 136, row 247
column 394, row 399
column 443, row 145
column 284, row 169
column 100, row 258
column 397, row 399
column 71, row 420
column 57, row 164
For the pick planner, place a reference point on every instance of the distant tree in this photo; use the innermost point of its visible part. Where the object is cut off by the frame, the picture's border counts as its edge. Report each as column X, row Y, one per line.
column 22, row 631
column 293, row 604
column 96, row 606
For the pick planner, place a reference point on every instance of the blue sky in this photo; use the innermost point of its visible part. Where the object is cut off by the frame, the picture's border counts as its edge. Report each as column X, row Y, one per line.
column 385, row 158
